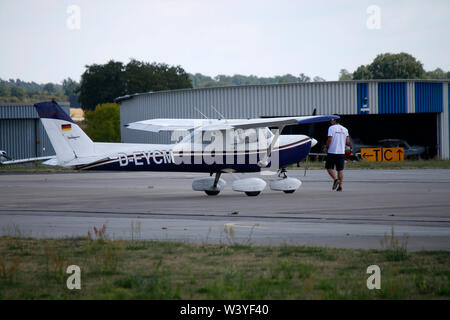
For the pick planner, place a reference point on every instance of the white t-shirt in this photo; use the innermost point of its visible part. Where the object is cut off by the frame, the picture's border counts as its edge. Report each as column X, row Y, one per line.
column 339, row 135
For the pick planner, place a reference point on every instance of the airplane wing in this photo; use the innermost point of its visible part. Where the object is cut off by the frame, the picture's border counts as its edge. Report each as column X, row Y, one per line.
column 157, row 125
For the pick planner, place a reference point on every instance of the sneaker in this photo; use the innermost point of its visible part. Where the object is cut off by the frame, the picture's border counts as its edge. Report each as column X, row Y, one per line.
column 339, row 189
column 335, row 184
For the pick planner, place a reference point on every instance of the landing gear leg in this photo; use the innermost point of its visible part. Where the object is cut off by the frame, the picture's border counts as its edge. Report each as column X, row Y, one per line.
column 282, row 173
column 216, row 180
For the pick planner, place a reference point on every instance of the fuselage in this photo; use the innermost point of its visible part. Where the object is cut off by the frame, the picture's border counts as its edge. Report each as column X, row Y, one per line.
column 182, row 157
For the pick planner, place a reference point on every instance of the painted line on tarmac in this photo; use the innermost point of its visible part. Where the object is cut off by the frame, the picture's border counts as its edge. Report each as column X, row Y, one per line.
column 150, row 215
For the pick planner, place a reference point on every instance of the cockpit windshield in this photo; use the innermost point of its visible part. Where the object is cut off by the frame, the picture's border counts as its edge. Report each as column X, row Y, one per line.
column 236, row 139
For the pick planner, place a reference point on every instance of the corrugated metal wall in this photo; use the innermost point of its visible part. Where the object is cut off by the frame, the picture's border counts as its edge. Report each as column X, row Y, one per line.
column 444, row 124
column 237, row 102
column 428, row 97
column 411, row 98
column 392, row 97
column 21, row 132
column 373, row 97
column 362, row 89
column 17, row 137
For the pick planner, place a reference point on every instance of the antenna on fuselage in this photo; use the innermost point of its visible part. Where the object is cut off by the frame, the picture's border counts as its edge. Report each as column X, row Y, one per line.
column 201, row 113
column 221, row 115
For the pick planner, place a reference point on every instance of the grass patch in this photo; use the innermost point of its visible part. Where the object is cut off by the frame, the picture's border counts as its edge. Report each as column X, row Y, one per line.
column 138, row 269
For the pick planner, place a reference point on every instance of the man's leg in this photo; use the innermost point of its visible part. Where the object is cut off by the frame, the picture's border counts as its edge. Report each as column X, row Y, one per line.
column 340, row 171
column 332, row 174
column 341, row 177
column 335, row 181
column 329, row 165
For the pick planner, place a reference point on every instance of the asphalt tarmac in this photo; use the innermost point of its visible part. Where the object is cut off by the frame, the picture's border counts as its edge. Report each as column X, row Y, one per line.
column 415, row 204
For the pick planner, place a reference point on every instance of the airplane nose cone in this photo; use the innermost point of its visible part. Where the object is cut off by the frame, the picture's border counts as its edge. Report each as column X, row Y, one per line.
column 313, row 142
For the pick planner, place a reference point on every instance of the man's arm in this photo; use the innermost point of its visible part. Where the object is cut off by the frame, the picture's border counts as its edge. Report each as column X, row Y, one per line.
column 328, row 144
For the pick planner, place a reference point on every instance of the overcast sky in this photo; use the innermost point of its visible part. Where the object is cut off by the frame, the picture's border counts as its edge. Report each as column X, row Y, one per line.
column 48, row 41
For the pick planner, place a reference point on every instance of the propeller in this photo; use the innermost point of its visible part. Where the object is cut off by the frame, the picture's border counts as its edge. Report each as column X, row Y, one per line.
column 310, row 133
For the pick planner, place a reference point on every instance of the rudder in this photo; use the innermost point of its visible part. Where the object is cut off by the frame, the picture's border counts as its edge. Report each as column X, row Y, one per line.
column 67, row 138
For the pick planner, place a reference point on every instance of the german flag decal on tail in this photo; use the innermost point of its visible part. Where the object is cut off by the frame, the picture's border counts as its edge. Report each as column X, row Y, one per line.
column 66, row 127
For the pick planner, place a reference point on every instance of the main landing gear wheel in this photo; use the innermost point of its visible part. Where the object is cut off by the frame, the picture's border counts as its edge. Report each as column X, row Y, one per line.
column 288, row 191
column 211, row 193
column 211, row 186
column 250, row 186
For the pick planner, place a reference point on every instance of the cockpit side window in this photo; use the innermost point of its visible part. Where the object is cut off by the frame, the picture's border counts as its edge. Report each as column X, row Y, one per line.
column 248, row 138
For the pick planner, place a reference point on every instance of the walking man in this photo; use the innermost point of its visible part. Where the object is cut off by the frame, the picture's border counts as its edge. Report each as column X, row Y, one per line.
column 335, row 149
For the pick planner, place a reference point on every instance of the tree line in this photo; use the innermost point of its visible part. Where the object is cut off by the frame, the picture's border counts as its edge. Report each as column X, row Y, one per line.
column 102, row 83
column 201, row 81
column 393, row 66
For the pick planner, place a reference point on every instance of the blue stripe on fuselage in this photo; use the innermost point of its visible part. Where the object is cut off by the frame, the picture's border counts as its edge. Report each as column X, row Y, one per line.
column 286, row 157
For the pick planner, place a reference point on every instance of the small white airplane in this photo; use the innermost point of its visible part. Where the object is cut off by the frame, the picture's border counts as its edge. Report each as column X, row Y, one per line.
column 213, row 146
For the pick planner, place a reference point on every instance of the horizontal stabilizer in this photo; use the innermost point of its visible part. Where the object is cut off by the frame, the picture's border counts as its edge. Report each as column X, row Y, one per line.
column 37, row 159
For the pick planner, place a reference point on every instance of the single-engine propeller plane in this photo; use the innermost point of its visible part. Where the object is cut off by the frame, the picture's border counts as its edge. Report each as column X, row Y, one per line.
column 213, row 146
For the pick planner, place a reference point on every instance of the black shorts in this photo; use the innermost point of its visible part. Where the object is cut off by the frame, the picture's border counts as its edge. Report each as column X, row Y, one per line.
column 335, row 160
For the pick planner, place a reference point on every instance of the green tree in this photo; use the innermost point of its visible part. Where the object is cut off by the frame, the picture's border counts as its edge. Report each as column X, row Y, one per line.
column 103, row 123
column 4, row 91
column 318, row 79
column 304, row 78
column 212, row 83
column 101, row 84
column 104, row 83
column 345, row 75
column 438, row 73
column 362, row 73
column 71, row 89
column 287, row 78
column 391, row 66
column 18, row 92
column 50, row 88
column 143, row 77
column 198, row 79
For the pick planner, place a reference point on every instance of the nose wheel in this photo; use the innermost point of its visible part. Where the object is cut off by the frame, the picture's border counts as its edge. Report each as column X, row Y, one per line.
column 285, row 184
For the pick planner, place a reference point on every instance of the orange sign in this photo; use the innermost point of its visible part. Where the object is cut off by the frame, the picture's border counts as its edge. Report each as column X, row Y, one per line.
column 382, row 154
column 371, row 154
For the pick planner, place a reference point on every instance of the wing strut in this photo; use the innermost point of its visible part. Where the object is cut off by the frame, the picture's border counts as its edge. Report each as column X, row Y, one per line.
column 265, row 161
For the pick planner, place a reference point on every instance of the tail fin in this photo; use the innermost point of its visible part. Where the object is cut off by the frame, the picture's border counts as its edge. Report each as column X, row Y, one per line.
column 67, row 138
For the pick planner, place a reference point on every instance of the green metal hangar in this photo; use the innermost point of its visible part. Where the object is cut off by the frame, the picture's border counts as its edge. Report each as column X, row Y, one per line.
column 413, row 110
column 21, row 132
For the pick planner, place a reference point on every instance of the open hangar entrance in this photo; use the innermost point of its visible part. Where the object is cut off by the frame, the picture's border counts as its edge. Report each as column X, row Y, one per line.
column 415, row 128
